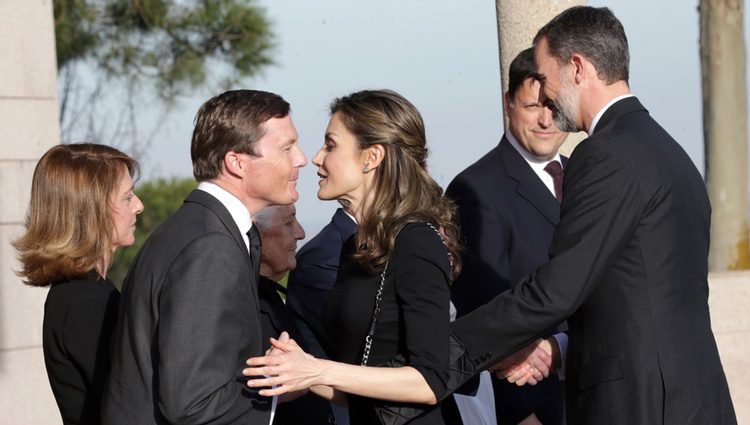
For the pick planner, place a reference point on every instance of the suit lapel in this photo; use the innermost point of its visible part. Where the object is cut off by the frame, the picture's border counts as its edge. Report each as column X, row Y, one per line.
column 203, row 198
column 528, row 184
column 208, row 201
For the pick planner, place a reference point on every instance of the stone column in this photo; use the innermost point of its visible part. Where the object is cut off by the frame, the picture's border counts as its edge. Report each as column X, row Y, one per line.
column 722, row 49
column 28, row 127
column 517, row 23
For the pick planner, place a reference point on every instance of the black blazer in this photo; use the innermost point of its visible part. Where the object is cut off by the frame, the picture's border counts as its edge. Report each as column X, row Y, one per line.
column 313, row 278
column 507, row 217
column 275, row 318
column 79, row 317
column 629, row 270
column 188, row 321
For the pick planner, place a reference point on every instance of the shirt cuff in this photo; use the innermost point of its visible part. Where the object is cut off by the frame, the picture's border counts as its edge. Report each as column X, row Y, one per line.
column 562, row 342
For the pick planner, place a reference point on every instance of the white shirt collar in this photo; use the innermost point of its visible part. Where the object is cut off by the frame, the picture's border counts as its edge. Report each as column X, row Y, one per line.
column 536, row 164
column 531, row 159
column 236, row 208
column 601, row 112
column 350, row 216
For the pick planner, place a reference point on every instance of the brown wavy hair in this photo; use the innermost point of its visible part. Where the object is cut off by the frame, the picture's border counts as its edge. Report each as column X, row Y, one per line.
column 403, row 192
column 69, row 222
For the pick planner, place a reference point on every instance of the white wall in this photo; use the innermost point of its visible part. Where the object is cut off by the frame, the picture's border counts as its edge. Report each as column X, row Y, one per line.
column 28, row 127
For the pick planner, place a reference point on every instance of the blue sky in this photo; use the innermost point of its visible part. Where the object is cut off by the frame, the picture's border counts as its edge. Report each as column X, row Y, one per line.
column 443, row 56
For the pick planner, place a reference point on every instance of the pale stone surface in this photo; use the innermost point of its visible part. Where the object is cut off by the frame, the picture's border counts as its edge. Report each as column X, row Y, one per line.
column 29, row 126
column 728, row 300
column 27, row 62
column 29, row 123
column 25, row 395
column 734, row 349
column 21, row 306
column 16, row 179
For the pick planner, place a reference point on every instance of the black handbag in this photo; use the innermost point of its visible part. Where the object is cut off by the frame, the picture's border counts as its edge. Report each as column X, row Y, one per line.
column 462, row 367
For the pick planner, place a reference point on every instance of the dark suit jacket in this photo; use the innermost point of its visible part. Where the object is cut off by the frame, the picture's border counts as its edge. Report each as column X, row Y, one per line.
column 188, row 321
column 507, row 217
column 629, row 270
column 275, row 317
column 312, row 279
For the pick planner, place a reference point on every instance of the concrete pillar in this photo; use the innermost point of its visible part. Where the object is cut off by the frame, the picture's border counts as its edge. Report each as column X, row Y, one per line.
column 722, row 48
column 28, row 127
column 517, row 23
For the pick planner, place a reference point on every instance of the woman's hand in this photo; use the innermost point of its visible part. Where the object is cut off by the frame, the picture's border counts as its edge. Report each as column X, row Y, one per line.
column 285, row 367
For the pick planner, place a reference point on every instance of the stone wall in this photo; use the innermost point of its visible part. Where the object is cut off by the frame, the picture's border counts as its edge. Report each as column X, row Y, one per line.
column 28, row 127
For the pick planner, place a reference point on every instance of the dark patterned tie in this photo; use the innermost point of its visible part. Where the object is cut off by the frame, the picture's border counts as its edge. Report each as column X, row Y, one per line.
column 255, row 244
column 555, row 170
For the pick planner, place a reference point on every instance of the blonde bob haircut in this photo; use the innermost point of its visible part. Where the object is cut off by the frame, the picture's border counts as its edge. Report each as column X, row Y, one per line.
column 403, row 191
column 69, row 222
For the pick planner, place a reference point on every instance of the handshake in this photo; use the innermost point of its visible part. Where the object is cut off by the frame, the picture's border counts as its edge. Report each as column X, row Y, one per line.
column 531, row 364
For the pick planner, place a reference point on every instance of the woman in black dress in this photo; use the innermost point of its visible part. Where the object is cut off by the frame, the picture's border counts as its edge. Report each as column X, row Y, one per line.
column 82, row 209
column 374, row 161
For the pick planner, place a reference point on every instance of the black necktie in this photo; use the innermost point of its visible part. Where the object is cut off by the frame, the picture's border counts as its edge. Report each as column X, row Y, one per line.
column 555, row 170
column 255, row 244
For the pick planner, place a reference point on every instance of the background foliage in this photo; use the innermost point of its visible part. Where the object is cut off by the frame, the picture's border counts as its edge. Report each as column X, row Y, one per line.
column 133, row 52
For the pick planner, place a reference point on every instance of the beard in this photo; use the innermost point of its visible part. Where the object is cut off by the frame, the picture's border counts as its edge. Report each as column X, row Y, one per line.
column 565, row 106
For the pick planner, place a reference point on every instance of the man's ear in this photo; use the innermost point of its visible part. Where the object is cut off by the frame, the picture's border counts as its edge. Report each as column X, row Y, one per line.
column 234, row 164
column 506, row 101
column 580, row 69
column 373, row 157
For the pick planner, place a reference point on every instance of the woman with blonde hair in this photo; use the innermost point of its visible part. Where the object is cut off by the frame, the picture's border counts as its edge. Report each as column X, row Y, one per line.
column 391, row 298
column 82, row 209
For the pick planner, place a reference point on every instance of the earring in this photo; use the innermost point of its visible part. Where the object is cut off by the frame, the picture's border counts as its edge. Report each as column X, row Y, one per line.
column 366, row 168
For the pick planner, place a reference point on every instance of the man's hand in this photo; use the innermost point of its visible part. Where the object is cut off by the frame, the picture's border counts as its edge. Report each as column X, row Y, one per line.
column 531, row 364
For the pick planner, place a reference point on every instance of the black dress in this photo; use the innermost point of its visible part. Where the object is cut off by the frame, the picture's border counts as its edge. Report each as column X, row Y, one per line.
column 414, row 317
column 79, row 317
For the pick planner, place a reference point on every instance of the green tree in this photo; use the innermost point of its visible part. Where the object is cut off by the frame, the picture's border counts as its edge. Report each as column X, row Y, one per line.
column 160, row 198
column 161, row 49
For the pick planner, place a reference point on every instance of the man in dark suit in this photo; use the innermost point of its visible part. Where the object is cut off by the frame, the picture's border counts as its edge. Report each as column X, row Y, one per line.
column 628, row 266
column 508, row 211
column 189, row 309
column 279, row 232
column 312, row 279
